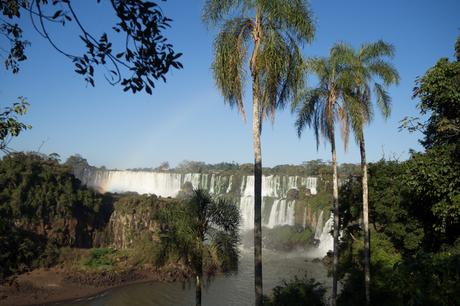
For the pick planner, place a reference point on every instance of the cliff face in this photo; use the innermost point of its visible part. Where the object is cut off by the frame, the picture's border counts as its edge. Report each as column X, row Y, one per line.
column 135, row 219
column 68, row 231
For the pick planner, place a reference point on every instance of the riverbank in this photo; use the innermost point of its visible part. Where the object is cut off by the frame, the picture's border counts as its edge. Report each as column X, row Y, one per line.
column 223, row 289
column 47, row 286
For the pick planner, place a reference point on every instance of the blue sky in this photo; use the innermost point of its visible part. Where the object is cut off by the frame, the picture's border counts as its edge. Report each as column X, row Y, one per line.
column 186, row 118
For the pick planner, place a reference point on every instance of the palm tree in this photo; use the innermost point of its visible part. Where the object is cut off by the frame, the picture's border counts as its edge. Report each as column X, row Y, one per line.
column 275, row 29
column 371, row 73
column 320, row 108
column 203, row 232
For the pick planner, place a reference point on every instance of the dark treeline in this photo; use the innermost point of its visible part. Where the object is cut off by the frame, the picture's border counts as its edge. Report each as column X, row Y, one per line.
column 414, row 208
column 43, row 207
column 415, row 243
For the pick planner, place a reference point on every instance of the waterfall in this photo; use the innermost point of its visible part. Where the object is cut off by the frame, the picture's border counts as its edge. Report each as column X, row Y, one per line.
column 319, row 227
column 282, row 213
column 304, row 223
column 168, row 184
column 326, row 240
column 311, row 183
column 230, row 184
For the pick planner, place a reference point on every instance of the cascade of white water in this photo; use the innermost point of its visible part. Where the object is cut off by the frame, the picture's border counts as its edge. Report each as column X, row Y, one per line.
column 310, row 183
column 247, row 213
column 277, row 186
column 167, row 184
column 211, row 184
column 326, row 240
column 282, row 213
column 164, row 184
column 230, row 184
column 319, row 226
column 290, row 213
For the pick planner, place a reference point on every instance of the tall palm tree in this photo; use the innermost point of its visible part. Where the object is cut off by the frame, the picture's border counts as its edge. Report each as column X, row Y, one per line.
column 371, row 73
column 274, row 29
column 321, row 107
column 203, row 231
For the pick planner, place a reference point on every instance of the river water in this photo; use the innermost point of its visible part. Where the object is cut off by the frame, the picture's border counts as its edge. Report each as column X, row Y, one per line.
column 235, row 289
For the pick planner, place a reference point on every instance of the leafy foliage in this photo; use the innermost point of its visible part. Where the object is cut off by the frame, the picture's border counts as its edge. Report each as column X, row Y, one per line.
column 322, row 106
column 275, row 65
column 406, row 247
column 202, row 231
column 434, row 182
column 439, row 94
column 433, row 175
column 10, row 126
column 100, row 258
column 42, row 207
column 389, row 206
column 370, row 73
column 147, row 56
column 414, row 208
column 297, row 292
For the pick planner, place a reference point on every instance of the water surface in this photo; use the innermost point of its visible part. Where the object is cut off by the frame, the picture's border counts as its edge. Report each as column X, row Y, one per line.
column 235, row 289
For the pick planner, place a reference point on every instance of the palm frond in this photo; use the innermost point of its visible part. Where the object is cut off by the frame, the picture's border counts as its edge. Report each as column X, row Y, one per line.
column 316, row 65
column 343, row 55
column 279, row 70
column 344, row 125
column 225, row 247
column 370, row 51
column 290, row 16
column 229, row 59
column 355, row 109
column 308, row 112
column 225, row 215
column 215, row 10
column 197, row 224
column 362, row 68
column 384, row 71
column 383, row 99
column 336, row 77
column 367, row 110
column 294, row 80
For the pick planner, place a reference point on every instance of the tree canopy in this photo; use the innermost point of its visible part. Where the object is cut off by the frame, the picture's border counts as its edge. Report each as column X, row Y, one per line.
column 145, row 56
column 203, row 233
column 414, row 209
column 42, row 206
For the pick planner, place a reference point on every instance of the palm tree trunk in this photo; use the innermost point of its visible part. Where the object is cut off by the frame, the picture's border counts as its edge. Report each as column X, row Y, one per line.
column 257, row 208
column 335, row 199
column 367, row 250
column 198, row 289
column 256, row 128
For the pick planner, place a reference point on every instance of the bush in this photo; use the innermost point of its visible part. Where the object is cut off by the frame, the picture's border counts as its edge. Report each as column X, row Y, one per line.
column 297, row 292
column 100, row 258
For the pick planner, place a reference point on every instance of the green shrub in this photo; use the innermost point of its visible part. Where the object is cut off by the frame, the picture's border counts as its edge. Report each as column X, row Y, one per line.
column 100, row 258
column 297, row 292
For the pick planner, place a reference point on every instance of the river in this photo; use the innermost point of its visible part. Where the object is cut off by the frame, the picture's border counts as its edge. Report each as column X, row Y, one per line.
column 235, row 289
